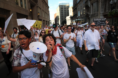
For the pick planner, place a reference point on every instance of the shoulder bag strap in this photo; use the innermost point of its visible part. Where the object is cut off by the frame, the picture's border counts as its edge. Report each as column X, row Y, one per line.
column 23, row 54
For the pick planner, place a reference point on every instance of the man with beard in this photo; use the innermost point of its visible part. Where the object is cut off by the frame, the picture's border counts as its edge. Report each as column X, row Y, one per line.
column 91, row 42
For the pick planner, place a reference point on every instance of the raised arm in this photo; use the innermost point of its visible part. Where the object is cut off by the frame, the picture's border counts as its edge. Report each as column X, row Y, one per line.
column 9, row 38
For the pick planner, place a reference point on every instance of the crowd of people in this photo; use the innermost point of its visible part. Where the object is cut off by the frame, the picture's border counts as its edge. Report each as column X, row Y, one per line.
column 61, row 43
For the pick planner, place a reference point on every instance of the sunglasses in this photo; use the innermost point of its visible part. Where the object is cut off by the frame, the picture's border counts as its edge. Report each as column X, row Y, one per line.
column 69, row 28
column 42, row 32
column 92, row 25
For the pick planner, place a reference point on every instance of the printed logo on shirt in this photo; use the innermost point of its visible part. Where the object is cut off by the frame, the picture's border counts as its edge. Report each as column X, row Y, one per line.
column 60, row 55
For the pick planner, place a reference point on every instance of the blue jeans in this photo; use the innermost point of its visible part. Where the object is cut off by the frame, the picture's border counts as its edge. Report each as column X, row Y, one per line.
column 71, row 50
column 112, row 45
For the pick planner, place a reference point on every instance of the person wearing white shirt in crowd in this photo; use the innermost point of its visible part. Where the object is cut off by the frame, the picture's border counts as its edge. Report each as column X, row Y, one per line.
column 5, row 46
column 15, row 33
column 38, row 30
column 103, row 34
column 79, row 38
column 20, row 63
column 91, row 42
column 65, row 31
column 57, row 33
column 36, row 36
column 58, row 64
column 69, row 39
column 46, row 27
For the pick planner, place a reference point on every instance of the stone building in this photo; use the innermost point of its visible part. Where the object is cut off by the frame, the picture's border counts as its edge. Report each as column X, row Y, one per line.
column 30, row 9
column 87, row 10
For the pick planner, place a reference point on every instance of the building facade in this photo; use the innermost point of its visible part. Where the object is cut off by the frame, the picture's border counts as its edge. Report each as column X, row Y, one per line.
column 87, row 10
column 61, row 13
column 30, row 9
column 69, row 18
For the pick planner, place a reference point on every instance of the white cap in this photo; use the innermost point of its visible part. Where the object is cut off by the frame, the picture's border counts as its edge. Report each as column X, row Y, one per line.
column 80, row 25
column 38, row 47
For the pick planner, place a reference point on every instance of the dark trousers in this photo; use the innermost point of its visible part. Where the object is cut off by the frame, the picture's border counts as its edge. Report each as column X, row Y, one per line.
column 7, row 60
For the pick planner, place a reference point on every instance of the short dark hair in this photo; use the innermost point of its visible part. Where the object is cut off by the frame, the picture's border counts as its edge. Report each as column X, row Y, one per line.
column 14, row 28
column 26, row 33
column 50, row 35
column 69, row 26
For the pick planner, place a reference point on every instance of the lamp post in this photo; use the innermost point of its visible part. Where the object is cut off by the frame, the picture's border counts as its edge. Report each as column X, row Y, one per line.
column 112, row 2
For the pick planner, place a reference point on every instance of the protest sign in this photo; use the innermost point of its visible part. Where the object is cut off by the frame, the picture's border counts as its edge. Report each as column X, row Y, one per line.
column 38, row 24
column 7, row 22
column 100, row 21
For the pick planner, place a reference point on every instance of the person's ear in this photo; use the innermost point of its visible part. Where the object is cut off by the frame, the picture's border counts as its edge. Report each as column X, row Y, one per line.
column 29, row 39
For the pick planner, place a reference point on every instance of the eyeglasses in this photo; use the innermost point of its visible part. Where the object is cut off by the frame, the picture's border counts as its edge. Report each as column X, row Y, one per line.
column 92, row 25
column 24, row 39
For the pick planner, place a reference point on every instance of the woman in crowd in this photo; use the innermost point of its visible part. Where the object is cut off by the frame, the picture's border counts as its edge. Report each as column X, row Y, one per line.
column 65, row 31
column 36, row 36
column 15, row 40
column 41, row 35
column 5, row 46
column 103, row 34
column 79, row 35
column 112, row 40
column 56, row 59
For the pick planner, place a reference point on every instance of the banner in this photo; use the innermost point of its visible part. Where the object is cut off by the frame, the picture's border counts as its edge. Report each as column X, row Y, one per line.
column 100, row 21
column 38, row 24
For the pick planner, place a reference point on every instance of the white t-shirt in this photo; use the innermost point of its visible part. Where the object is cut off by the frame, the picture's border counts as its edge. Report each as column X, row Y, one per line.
column 4, row 44
column 79, row 34
column 29, row 72
column 56, row 34
column 14, row 35
column 39, row 31
column 70, row 42
column 91, row 39
column 59, row 65
column 45, row 28
column 36, row 38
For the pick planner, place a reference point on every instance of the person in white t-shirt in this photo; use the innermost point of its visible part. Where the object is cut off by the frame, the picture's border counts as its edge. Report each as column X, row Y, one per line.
column 79, row 38
column 57, row 33
column 22, row 58
column 69, row 39
column 46, row 27
column 36, row 36
column 5, row 46
column 91, row 42
column 58, row 63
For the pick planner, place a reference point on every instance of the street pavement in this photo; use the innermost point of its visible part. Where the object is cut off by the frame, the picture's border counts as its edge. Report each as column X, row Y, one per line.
column 106, row 68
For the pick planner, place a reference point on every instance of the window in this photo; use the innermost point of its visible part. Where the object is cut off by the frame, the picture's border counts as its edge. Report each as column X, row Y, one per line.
column 78, row 13
column 95, row 7
column 16, row 2
column 21, row 3
column 25, row 4
column 78, row 1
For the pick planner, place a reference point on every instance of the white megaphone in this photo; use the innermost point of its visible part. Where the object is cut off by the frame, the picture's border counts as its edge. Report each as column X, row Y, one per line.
column 38, row 49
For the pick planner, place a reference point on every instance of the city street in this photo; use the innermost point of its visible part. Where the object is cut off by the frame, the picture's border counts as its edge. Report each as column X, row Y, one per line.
column 106, row 68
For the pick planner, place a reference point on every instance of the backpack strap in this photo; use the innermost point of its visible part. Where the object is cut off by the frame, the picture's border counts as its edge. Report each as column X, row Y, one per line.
column 62, row 50
column 59, row 33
